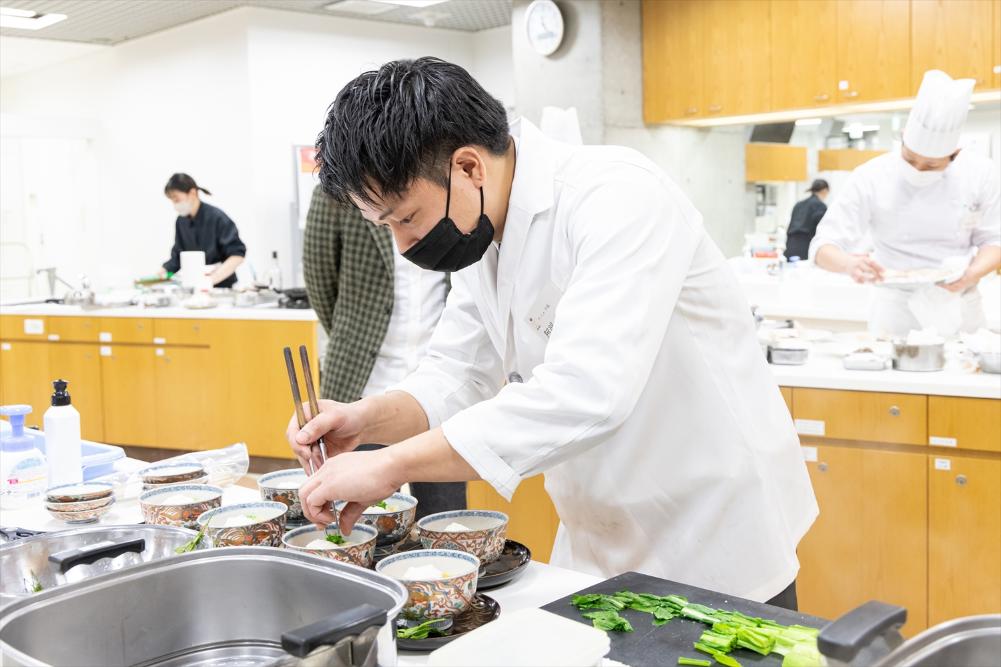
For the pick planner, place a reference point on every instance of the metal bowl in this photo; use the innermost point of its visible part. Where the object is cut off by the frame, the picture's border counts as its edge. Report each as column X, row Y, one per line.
column 921, row 358
column 990, row 362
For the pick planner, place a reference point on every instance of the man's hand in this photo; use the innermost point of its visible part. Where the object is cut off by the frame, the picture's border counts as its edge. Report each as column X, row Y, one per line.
column 864, row 269
column 339, row 424
column 363, row 477
column 965, row 282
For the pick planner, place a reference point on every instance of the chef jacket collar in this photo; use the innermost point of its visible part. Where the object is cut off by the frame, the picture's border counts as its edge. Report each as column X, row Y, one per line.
column 532, row 188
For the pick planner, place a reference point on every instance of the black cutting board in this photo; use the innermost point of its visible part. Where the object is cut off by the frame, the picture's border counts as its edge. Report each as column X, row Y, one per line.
column 648, row 645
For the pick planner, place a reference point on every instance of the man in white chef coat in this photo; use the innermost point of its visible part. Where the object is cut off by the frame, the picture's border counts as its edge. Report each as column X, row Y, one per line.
column 923, row 206
column 593, row 333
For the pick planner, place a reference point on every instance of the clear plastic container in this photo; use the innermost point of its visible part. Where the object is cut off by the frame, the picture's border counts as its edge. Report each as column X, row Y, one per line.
column 23, row 469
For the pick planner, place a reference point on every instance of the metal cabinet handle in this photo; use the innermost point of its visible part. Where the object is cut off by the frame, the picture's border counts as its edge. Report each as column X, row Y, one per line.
column 961, row 480
column 822, row 466
column 691, row 111
column 894, row 411
column 715, row 108
column 823, row 97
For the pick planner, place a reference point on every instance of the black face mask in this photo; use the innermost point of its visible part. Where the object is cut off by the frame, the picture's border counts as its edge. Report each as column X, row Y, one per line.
column 446, row 248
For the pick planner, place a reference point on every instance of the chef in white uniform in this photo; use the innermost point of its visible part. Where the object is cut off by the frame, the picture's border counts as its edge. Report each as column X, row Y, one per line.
column 923, row 206
column 594, row 333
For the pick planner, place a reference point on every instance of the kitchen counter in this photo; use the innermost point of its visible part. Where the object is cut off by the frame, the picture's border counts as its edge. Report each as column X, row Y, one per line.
column 263, row 312
column 825, row 371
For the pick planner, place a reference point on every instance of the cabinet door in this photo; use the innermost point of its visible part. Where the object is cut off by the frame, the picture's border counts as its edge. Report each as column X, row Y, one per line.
column 804, row 53
column 787, row 397
column 869, row 540
column 737, row 57
column 76, row 329
column 966, row 423
column 874, row 56
column 179, row 332
column 127, row 372
column 672, row 60
column 80, row 365
column 866, row 416
column 532, row 517
column 964, row 538
column 996, row 46
column 126, row 330
column 24, row 376
column 22, row 327
column 184, row 406
column 953, row 36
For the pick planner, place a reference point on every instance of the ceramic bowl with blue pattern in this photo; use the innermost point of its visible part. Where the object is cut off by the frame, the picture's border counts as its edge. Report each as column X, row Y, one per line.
column 393, row 521
column 441, row 582
column 479, row 532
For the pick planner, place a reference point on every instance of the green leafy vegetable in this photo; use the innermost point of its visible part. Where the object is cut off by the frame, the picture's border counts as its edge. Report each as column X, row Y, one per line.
column 193, row 543
column 36, row 585
column 335, row 538
column 609, row 621
column 422, row 631
column 382, row 504
column 695, row 662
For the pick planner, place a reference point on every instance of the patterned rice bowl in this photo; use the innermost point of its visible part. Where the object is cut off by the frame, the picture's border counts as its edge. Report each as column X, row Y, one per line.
column 259, row 523
column 283, row 486
column 393, row 524
column 179, row 504
column 358, row 549
column 483, row 535
column 434, row 597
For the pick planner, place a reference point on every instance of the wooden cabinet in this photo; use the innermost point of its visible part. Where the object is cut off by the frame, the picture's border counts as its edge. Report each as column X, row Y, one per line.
column 787, row 397
column 966, row 423
column 532, row 516
column 736, row 52
column 774, row 162
column 964, row 538
column 672, row 60
column 125, row 330
column 996, row 46
column 22, row 327
column 73, row 329
column 869, row 540
column 185, row 407
column 954, row 36
column 874, row 60
column 127, row 374
column 843, row 159
column 80, row 365
column 180, row 332
column 24, row 376
column 804, row 43
column 862, row 416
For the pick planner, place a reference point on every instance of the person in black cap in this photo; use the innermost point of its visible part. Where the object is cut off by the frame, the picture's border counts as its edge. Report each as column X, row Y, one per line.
column 805, row 217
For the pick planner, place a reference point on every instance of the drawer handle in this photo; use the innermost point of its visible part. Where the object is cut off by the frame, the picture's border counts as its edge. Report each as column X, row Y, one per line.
column 894, row 411
column 961, row 480
column 715, row 108
column 823, row 97
column 691, row 111
column 822, row 466
column 853, row 93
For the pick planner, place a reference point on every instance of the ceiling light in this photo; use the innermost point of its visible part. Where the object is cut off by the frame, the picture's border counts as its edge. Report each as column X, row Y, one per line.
column 806, row 122
column 411, row 3
column 360, row 7
column 27, row 20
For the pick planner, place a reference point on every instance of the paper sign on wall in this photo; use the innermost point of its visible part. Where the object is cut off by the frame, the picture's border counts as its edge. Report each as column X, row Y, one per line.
column 104, row 337
column 4, row 346
column 159, row 351
column 810, row 426
column 943, row 464
column 53, row 336
column 809, row 454
column 34, row 327
column 939, row 441
column 105, row 350
column 159, row 341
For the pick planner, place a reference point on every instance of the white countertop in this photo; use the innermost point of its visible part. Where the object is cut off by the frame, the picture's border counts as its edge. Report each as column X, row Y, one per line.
column 263, row 312
column 825, row 371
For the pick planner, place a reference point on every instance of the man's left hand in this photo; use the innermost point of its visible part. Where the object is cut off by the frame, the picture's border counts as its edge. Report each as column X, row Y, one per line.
column 361, row 478
column 967, row 281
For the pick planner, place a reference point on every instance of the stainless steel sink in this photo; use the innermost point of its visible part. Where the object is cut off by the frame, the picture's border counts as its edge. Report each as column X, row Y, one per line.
column 971, row 642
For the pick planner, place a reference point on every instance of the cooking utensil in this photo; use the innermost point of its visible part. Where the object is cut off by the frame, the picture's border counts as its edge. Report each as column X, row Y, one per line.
column 95, row 550
column 990, row 362
column 787, row 355
column 314, row 405
column 870, row 635
column 257, row 605
column 300, row 414
column 921, row 358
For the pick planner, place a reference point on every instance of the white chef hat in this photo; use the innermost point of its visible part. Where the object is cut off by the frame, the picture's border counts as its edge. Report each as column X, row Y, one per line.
column 938, row 114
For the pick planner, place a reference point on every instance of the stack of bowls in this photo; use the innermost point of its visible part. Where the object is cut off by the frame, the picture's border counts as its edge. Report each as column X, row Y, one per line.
column 165, row 474
column 81, row 502
column 179, row 504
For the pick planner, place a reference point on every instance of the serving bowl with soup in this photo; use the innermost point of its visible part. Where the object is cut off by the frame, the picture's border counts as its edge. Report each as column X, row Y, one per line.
column 441, row 583
column 393, row 517
column 179, row 505
column 358, row 548
column 246, row 524
column 283, row 486
column 479, row 532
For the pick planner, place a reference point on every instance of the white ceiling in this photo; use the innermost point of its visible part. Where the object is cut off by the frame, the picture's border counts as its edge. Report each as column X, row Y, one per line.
column 115, row 21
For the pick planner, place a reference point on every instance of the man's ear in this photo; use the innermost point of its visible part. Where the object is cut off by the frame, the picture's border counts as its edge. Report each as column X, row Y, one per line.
column 470, row 160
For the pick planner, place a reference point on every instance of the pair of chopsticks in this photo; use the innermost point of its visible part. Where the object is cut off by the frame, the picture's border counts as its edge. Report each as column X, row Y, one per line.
column 314, row 406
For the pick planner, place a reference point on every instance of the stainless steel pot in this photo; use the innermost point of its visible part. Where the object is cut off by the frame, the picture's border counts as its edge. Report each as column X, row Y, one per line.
column 50, row 560
column 242, row 605
column 918, row 358
column 870, row 636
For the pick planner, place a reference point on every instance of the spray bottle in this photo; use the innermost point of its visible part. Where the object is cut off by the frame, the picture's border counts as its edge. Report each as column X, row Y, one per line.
column 23, row 472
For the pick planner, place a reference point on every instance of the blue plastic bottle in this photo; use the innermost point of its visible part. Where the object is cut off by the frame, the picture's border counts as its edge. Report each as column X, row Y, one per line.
column 23, row 471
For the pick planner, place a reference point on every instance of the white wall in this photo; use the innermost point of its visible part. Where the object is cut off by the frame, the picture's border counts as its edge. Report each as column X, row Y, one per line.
column 224, row 99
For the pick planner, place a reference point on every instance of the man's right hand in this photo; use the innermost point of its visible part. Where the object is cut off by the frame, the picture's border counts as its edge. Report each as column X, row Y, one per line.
column 864, row 269
column 339, row 424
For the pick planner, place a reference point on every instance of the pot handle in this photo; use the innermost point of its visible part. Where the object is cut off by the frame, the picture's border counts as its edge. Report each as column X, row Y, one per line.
column 844, row 637
column 328, row 631
column 70, row 558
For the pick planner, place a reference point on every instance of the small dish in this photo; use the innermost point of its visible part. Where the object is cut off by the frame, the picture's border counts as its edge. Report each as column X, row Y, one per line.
column 479, row 532
column 393, row 523
column 247, row 524
column 283, row 486
column 179, row 504
column 78, row 492
column 81, row 516
column 441, row 582
column 358, row 548
column 482, row 609
column 511, row 564
column 173, row 473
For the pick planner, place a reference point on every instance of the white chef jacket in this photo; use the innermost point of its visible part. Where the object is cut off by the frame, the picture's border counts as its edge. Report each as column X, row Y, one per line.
column 418, row 299
column 912, row 227
column 646, row 400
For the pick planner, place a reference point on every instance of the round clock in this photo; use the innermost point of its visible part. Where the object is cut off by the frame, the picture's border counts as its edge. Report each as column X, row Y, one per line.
column 544, row 23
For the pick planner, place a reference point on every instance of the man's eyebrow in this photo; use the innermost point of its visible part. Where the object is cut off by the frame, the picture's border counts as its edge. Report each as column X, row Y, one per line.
column 386, row 213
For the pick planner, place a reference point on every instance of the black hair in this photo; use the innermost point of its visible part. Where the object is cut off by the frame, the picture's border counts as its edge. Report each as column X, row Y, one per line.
column 819, row 185
column 401, row 122
column 182, row 183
